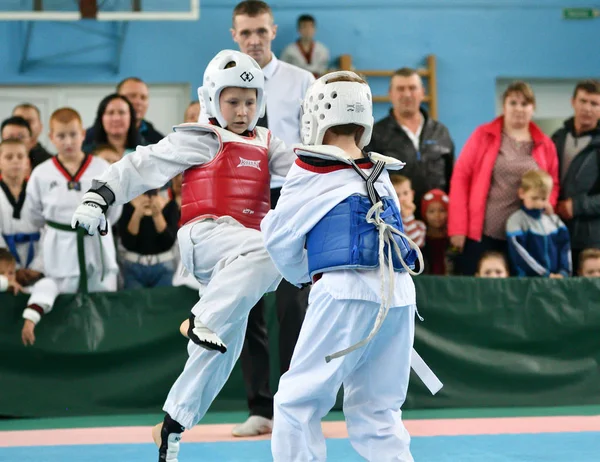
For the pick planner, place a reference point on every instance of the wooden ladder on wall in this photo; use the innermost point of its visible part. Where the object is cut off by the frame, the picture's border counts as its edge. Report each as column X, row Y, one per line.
column 428, row 74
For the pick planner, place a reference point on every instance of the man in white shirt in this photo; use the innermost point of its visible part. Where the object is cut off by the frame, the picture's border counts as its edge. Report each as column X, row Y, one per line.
column 306, row 52
column 285, row 86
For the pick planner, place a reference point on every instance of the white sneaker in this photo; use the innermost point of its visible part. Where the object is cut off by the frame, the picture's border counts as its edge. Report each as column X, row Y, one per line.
column 254, row 426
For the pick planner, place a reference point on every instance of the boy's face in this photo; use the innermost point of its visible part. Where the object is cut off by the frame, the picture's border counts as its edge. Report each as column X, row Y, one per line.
column 67, row 137
column 307, row 29
column 590, row 268
column 492, row 267
column 109, row 156
column 17, row 132
column 534, row 199
column 238, row 107
column 9, row 269
column 405, row 194
column 14, row 161
column 436, row 216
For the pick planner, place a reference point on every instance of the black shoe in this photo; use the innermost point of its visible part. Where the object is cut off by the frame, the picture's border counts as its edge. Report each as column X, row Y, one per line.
column 204, row 337
column 170, row 435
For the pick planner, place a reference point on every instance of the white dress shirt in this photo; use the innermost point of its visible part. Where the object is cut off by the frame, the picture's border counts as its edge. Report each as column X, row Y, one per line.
column 285, row 87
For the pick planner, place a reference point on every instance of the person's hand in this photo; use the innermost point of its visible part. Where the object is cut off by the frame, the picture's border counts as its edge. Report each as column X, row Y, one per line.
column 564, row 209
column 141, row 203
column 15, row 287
column 90, row 215
column 407, row 209
column 556, row 276
column 458, row 242
column 27, row 335
column 157, row 204
column 26, row 277
column 549, row 210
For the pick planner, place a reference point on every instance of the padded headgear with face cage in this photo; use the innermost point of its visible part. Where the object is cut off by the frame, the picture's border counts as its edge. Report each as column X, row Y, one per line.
column 245, row 74
column 338, row 103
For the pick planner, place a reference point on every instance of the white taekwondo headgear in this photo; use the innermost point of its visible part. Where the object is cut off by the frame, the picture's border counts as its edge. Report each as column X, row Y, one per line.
column 245, row 74
column 338, row 103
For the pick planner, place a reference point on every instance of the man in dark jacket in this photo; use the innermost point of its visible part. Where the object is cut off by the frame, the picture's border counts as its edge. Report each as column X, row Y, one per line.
column 578, row 147
column 410, row 135
column 136, row 91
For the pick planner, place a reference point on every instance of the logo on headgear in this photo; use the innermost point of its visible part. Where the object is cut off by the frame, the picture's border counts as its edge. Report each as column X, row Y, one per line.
column 358, row 107
column 247, row 76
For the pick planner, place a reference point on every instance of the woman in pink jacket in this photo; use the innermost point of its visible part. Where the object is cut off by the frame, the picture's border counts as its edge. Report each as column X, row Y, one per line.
column 487, row 174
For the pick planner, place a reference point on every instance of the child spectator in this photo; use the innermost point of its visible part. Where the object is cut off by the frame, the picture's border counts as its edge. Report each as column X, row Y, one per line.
column 492, row 264
column 589, row 263
column 107, row 152
column 73, row 261
column 538, row 243
column 434, row 209
column 415, row 229
column 8, row 272
column 18, row 235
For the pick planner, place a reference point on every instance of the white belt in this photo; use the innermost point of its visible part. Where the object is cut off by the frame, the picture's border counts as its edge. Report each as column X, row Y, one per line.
column 149, row 260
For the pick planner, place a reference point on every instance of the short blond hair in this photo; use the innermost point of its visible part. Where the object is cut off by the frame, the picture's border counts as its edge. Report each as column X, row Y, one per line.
column 588, row 254
column 537, row 180
column 397, row 180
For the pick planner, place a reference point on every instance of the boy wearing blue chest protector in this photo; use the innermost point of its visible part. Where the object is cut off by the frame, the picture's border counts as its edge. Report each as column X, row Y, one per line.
column 337, row 225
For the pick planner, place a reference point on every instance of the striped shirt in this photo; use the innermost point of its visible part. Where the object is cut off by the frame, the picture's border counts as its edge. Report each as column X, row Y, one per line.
column 415, row 229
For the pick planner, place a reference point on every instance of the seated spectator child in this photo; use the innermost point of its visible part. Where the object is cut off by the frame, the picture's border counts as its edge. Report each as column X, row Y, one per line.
column 538, row 243
column 8, row 272
column 415, row 229
column 107, row 152
column 589, row 263
column 148, row 230
column 434, row 209
column 492, row 264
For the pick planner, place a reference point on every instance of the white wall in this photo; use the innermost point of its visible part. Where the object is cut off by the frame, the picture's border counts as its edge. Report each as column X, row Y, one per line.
column 167, row 103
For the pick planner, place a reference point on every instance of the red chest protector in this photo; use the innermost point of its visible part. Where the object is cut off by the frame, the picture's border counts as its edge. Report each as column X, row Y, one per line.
column 234, row 183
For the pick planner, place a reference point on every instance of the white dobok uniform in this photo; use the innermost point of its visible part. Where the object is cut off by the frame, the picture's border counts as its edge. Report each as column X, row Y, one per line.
column 226, row 257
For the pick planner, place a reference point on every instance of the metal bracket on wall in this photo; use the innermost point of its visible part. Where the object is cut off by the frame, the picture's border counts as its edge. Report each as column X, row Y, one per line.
column 114, row 40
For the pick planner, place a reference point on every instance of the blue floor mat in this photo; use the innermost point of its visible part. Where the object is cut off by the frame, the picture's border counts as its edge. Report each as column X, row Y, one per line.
column 547, row 447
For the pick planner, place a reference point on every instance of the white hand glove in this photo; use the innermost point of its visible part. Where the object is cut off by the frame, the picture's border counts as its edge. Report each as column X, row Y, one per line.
column 90, row 214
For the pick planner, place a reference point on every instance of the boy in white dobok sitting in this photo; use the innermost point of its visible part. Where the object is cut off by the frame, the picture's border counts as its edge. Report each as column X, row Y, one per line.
column 338, row 224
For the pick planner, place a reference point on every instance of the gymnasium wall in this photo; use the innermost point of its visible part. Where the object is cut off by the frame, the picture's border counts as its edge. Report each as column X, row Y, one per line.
column 475, row 41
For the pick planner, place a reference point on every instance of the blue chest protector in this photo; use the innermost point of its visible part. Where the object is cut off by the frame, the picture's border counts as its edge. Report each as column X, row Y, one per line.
column 343, row 239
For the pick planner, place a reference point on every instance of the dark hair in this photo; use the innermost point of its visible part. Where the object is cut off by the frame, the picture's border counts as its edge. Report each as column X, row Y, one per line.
column 6, row 256
column 251, row 8
column 521, row 88
column 306, row 18
column 28, row 106
column 589, row 86
column 405, row 72
column 100, row 137
column 16, row 120
column 128, row 79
